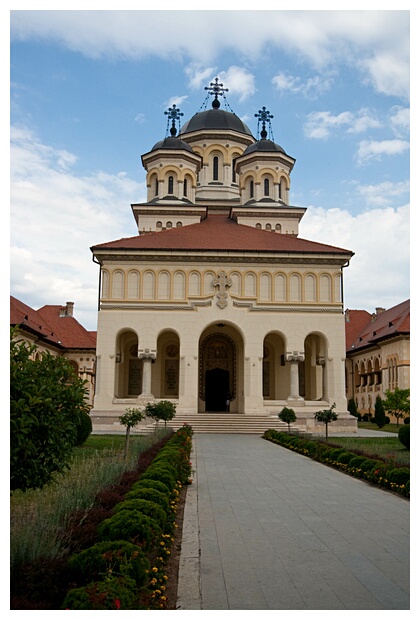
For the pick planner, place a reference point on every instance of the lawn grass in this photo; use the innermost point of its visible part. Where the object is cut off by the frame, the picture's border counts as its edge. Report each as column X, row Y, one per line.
column 388, row 428
column 384, row 448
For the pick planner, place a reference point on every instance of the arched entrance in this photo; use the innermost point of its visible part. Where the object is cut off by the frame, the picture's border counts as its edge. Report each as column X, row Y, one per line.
column 218, row 369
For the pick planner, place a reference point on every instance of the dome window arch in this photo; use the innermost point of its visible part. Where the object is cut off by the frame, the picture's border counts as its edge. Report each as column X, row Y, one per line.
column 185, row 187
column 266, row 187
column 170, row 185
column 251, row 188
column 216, row 168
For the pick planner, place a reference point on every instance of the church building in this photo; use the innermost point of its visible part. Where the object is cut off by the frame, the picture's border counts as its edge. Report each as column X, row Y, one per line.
column 217, row 304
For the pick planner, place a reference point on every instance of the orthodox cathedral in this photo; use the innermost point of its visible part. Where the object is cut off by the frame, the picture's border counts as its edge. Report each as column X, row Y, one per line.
column 217, row 304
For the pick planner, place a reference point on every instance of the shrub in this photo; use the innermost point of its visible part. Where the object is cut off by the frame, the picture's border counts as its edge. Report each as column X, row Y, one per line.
column 151, row 484
column 151, row 495
column 116, row 556
column 352, row 407
column 404, row 436
column 399, row 475
column 288, row 416
column 345, row 458
column 387, row 420
column 162, row 475
column 113, row 593
column 407, row 420
column 132, row 526
column 83, row 428
column 146, row 507
column 379, row 412
column 335, row 453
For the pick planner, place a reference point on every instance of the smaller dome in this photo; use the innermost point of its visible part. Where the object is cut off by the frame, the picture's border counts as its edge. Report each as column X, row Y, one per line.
column 264, row 146
column 174, row 143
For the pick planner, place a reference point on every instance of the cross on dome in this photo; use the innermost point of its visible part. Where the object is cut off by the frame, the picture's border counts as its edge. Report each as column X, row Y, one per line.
column 173, row 114
column 264, row 116
column 216, row 89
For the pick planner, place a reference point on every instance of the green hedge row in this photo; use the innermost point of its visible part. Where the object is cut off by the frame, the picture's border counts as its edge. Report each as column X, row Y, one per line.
column 125, row 568
column 386, row 475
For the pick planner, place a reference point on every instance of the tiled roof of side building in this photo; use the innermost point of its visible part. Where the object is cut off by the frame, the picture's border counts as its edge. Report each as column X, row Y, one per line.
column 47, row 324
column 71, row 334
column 218, row 232
column 388, row 323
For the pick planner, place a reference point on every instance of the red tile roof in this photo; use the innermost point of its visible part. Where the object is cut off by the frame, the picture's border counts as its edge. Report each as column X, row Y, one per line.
column 47, row 324
column 392, row 322
column 218, row 232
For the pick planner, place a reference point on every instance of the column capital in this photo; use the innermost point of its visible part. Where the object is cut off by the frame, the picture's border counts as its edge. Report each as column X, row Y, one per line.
column 295, row 356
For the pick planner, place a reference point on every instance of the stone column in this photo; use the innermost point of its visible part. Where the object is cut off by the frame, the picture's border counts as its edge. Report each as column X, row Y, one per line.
column 294, row 360
column 322, row 363
column 147, row 373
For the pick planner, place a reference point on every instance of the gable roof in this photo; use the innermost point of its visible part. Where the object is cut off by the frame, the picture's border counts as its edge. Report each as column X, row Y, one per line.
column 378, row 327
column 219, row 232
column 47, row 324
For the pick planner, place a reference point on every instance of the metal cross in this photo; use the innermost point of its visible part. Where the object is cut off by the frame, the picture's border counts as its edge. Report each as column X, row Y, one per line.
column 174, row 114
column 215, row 88
column 264, row 116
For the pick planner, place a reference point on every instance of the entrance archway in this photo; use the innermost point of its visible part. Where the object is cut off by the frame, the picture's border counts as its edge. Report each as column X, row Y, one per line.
column 218, row 373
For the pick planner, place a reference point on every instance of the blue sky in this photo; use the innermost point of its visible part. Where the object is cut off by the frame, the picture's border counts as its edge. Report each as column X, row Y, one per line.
column 88, row 95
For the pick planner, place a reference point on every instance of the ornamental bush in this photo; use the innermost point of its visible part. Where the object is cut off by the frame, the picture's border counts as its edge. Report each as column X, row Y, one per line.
column 404, row 436
column 151, row 495
column 160, row 474
column 146, row 507
column 132, row 526
column 399, row 475
column 112, row 593
column 151, row 484
column 83, row 428
column 345, row 458
column 115, row 556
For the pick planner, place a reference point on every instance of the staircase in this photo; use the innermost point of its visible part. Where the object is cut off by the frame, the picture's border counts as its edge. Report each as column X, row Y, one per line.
column 230, row 423
column 223, row 422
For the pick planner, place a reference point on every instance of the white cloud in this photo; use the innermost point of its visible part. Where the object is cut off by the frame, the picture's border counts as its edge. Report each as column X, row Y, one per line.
column 380, row 239
column 311, row 88
column 400, row 120
column 374, row 42
column 318, row 125
column 55, row 218
column 241, row 82
column 383, row 194
column 375, row 149
column 198, row 75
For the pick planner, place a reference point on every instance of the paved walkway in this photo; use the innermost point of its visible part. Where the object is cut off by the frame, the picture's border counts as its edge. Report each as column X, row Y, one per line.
column 266, row 528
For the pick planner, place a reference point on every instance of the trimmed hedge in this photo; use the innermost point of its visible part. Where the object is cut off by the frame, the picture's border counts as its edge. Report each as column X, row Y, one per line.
column 112, row 573
column 372, row 470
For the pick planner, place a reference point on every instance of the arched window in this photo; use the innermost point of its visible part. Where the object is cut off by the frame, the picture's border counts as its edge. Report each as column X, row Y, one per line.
column 156, row 186
column 280, row 190
column 266, row 187
column 185, row 187
column 171, row 185
column 215, row 168
column 251, row 189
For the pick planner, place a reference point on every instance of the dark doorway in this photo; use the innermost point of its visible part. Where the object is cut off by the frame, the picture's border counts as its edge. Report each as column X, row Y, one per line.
column 217, row 389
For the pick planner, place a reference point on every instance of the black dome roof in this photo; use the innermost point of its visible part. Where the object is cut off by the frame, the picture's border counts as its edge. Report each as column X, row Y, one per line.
column 215, row 119
column 264, row 146
column 172, row 142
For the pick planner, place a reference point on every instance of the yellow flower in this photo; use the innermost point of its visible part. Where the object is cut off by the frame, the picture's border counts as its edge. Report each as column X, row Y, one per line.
column 154, row 569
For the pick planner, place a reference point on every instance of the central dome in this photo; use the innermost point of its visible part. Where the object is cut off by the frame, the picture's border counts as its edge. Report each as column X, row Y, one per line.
column 215, row 119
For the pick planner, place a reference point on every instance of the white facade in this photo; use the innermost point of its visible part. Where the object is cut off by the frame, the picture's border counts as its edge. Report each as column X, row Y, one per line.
column 217, row 297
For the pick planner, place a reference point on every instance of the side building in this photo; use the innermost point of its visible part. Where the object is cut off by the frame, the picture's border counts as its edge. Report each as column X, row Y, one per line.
column 378, row 354
column 216, row 298
column 55, row 329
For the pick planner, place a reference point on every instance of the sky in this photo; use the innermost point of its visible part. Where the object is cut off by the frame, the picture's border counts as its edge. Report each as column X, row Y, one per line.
column 88, row 92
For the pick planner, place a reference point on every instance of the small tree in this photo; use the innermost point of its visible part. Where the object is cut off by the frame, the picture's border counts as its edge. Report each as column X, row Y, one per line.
column 130, row 419
column 397, row 403
column 379, row 412
column 47, row 403
column 287, row 415
column 326, row 416
column 163, row 410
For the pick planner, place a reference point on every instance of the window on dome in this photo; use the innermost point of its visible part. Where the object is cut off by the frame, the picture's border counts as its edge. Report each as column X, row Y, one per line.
column 170, row 185
column 185, row 187
column 215, row 168
column 266, row 187
column 156, row 187
column 251, row 189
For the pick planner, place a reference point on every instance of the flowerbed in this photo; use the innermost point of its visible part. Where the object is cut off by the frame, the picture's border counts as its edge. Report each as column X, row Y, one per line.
column 125, row 569
column 119, row 553
column 384, row 474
